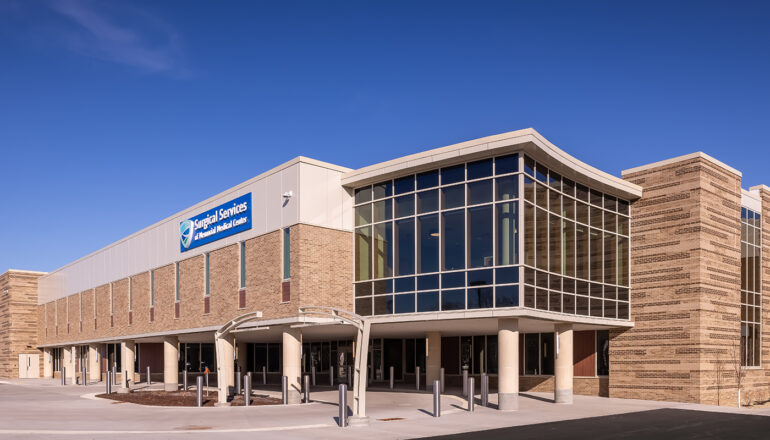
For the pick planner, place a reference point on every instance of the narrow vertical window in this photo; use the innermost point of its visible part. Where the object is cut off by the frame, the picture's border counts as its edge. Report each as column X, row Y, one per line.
column 243, row 265
column 112, row 302
column 130, row 294
column 286, row 254
column 176, row 281
column 206, row 275
column 152, row 288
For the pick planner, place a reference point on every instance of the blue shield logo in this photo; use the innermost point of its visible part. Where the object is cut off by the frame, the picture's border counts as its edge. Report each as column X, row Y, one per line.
column 186, row 230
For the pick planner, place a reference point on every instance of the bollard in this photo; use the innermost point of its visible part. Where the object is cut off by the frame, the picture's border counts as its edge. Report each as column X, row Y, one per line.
column 465, row 382
column 307, row 389
column 199, row 391
column 471, row 400
column 250, row 382
column 350, row 378
column 442, row 379
column 109, row 382
column 285, row 389
column 484, row 390
column 126, row 380
column 343, row 405
column 84, row 379
column 331, row 377
column 391, row 378
column 247, row 389
column 417, row 377
column 264, row 375
column 184, row 380
column 312, row 371
column 436, row 398
column 237, row 383
column 64, row 375
column 207, row 382
column 114, row 375
column 149, row 380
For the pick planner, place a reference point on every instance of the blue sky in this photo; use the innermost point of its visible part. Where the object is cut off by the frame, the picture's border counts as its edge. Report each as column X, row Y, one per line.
column 114, row 115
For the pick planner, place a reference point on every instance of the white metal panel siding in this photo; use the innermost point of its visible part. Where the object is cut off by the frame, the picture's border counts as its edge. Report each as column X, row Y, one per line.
column 159, row 245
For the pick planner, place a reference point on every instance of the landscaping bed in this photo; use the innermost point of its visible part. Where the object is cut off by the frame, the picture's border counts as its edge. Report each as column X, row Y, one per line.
column 182, row 398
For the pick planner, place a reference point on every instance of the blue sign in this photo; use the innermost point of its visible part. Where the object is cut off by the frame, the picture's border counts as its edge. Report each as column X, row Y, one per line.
column 224, row 220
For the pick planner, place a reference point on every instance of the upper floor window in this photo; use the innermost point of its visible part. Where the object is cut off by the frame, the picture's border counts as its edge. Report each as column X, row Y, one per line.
column 751, row 288
column 176, row 282
column 286, row 253
column 207, row 274
column 242, row 260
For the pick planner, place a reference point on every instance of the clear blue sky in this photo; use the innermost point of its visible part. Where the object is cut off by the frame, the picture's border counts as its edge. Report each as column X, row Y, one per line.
column 114, row 115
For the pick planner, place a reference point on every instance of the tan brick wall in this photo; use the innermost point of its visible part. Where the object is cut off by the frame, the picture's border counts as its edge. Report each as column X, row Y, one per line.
column 320, row 260
column 19, row 316
column 583, row 386
column 685, row 281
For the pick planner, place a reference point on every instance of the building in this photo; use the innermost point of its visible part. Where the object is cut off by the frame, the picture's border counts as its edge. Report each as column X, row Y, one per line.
column 502, row 256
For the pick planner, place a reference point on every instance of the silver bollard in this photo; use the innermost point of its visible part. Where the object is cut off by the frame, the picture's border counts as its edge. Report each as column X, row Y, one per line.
column 390, row 385
column 109, row 382
column 84, row 378
column 471, row 400
column 264, row 375
column 199, row 391
column 484, row 390
column 149, row 379
column 312, row 371
column 114, row 375
column 250, row 380
column 417, row 377
column 331, row 377
column 237, row 383
column 436, row 398
column 307, row 389
column 350, row 378
column 285, row 389
column 465, row 382
column 126, row 380
column 207, row 384
column 442, row 379
column 64, row 375
column 343, row 405
column 247, row 389
column 184, row 379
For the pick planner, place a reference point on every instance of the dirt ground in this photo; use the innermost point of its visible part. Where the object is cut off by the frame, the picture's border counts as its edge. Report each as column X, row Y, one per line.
column 182, row 398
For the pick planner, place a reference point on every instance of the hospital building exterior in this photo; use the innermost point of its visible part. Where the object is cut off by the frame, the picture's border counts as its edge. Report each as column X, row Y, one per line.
column 503, row 256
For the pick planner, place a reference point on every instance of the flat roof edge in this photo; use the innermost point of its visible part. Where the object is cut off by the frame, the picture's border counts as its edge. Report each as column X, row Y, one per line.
column 673, row 160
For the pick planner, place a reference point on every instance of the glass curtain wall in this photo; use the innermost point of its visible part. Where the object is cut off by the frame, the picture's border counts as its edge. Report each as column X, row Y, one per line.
column 440, row 240
column 751, row 288
column 576, row 246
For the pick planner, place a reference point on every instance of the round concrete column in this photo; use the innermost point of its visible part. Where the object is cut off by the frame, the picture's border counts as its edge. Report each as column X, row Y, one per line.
column 94, row 372
column 563, row 364
column 71, row 366
column 292, row 362
column 508, row 364
column 127, row 360
column 225, row 379
column 242, row 357
column 433, row 358
column 170, row 363
column 47, row 363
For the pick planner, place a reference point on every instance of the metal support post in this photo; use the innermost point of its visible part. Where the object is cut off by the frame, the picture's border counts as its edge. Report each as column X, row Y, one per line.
column 64, row 375
column 84, row 378
column 237, row 383
column 207, row 382
column 436, row 398
column 184, row 379
column 264, row 375
column 350, row 378
column 247, row 389
column 465, row 382
column 484, row 390
column 331, row 377
column 312, row 371
column 307, row 389
column 199, row 391
column 109, row 382
column 441, row 374
column 417, row 377
column 114, row 375
column 343, row 405
column 390, row 385
column 471, row 400
column 285, row 389
column 149, row 379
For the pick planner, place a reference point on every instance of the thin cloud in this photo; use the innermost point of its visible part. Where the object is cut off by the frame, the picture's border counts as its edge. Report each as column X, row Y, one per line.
column 127, row 36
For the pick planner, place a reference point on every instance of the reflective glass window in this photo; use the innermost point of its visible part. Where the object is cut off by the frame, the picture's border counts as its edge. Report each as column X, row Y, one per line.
column 480, row 169
column 428, row 179
column 453, row 239
column 480, row 236
column 428, row 243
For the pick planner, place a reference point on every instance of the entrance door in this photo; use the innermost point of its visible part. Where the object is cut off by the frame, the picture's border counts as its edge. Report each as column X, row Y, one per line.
column 393, row 357
column 29, row 366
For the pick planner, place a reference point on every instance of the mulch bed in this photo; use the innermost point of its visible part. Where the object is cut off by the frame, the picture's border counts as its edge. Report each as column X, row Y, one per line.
column 182, row 398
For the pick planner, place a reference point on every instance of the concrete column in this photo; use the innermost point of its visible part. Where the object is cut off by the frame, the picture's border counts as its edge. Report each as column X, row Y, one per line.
column 508, row 364
column 242, row 357
column 71, row 367
column 292, row 362
column 47, row 363
column 94, row 372
column 225, row 352
column 563, row 364
column 170, row 363
column 433, row 358
column 127, row 359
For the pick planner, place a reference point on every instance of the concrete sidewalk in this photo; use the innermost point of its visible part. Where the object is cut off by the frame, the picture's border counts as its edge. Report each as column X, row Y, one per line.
column 44, row 408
